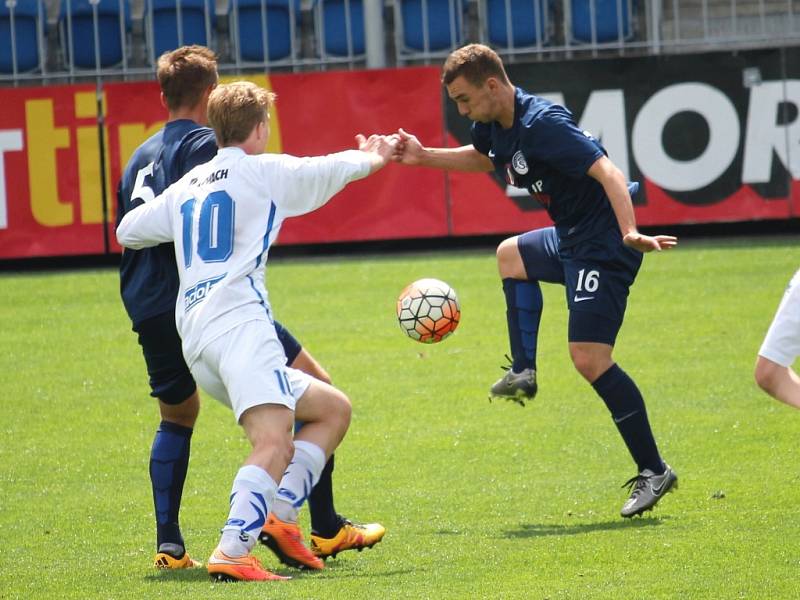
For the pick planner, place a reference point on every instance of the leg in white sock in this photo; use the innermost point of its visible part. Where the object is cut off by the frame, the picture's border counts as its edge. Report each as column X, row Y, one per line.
column 252, row 495
column 299, row 479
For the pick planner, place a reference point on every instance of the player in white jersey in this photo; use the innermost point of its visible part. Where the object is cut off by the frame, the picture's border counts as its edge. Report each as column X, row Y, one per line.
column 222, row 217
column 781, row 347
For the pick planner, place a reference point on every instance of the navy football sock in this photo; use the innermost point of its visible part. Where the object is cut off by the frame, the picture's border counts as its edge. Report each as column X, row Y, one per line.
column 169, row 460
column 523, row 313
column 626, row 405
column 324, row 520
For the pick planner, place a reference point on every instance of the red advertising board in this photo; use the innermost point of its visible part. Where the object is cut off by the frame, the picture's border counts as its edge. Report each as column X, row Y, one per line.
column 51, row 197
column 705, row 148
column 319, row 113
column 50, row 185
column 322, row 112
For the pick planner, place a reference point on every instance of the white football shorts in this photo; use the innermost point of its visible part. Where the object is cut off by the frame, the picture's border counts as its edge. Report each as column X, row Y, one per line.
column 782, row 342
column 246, row 367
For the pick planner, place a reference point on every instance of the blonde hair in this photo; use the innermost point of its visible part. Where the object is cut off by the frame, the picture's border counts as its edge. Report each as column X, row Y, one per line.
column 476, row 63
column 185, row 74
column 234, row 109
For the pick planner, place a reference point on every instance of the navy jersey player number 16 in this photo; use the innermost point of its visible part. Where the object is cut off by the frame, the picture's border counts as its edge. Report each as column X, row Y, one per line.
column 593, row 249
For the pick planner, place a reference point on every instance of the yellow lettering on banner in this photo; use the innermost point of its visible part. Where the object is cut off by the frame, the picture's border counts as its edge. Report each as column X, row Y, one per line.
column 131, row 136
column 89, row 182
column 86, row 105
column 44, row 138
column 274, row 143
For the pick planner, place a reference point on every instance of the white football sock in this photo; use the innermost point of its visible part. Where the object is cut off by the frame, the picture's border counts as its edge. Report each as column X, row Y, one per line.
column 300, row 477
column 252, row 495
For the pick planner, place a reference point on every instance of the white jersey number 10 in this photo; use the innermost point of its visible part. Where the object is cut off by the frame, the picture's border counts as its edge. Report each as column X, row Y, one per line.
column 215, row 228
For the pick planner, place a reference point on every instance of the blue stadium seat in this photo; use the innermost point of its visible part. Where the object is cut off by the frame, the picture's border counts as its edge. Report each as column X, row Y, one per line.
column 444, row 24
column 606, row 14
column 164, row 34
column 112, row 29
column 247, row 17
column 334, row 23
column 528, row 23
column 26, row 35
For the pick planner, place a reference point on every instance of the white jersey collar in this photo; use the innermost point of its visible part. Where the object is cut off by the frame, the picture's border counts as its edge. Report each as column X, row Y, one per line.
column 230, row 151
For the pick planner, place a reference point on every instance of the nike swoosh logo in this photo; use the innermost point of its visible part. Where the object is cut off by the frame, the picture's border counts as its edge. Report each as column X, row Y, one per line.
column 657, row 490
column 582, row 298
column 623, row 417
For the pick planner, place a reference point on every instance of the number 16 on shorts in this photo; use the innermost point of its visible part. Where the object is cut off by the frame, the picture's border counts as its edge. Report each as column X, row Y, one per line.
column 586, row 286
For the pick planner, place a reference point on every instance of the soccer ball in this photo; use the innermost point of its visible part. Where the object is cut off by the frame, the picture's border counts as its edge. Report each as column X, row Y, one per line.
column 428, row 310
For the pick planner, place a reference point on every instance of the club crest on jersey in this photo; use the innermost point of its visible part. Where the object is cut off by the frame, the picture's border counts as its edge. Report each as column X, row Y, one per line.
column 195, row 295
column 519, row 163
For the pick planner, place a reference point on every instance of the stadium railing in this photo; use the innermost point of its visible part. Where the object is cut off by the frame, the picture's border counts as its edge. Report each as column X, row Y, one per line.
column 22, row 29
column 339, row 30
column 264, row 32
column 427, row 29
column 94, row 34
column 526, row 20
column 120, row 39
column 597, row 21
column 173, row 23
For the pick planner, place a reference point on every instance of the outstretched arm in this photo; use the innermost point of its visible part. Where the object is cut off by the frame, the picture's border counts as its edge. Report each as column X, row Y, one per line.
column 301, row 185
column 379, row 148
column 465, row 158
column 616, row 188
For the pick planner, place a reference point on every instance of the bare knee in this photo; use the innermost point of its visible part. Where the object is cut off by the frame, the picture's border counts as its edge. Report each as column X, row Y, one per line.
column 341, row 410
column 768, row 375
column 184, row 414
column 509, row 260
column 326, row 410
column 273, row 447
column 588, row 363
column 584, row 365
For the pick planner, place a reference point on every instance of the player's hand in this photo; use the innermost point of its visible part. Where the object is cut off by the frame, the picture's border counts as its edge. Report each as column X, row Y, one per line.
column 409, row 149
column 648, row 243
column 385, row 146
column 381, row 148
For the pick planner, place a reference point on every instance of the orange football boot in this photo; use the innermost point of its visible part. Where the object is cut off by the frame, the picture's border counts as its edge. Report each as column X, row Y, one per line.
column 166, row 558
column 286, row 541
column 241, row 568
column 351, row 536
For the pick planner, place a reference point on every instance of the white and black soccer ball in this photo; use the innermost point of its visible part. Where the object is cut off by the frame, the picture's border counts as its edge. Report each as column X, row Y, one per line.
column 428, row 310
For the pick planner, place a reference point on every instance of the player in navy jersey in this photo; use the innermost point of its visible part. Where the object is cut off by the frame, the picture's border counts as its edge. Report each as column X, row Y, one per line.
column 594, row 249
column 149, row 286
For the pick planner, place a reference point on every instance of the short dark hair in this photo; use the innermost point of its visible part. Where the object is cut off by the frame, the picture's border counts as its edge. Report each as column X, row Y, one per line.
column 184, row 74
column 476, row 63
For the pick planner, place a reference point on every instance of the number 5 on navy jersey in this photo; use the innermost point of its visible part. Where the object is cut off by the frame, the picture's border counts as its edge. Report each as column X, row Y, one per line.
column 215, row 228
column 140, row 188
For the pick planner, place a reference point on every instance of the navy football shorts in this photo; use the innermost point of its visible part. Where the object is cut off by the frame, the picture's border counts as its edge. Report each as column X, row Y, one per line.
column 597, row 274
column 291, row 347
column 170, row 378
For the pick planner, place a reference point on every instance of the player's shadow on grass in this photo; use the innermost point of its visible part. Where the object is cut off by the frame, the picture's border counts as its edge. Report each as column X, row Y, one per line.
column 200, row 575
column 529, row 530
column 181, row 575
column 347, row 569
column 367, row 573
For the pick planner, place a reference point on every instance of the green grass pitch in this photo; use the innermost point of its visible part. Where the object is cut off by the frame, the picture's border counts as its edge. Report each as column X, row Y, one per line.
column 481, row 500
